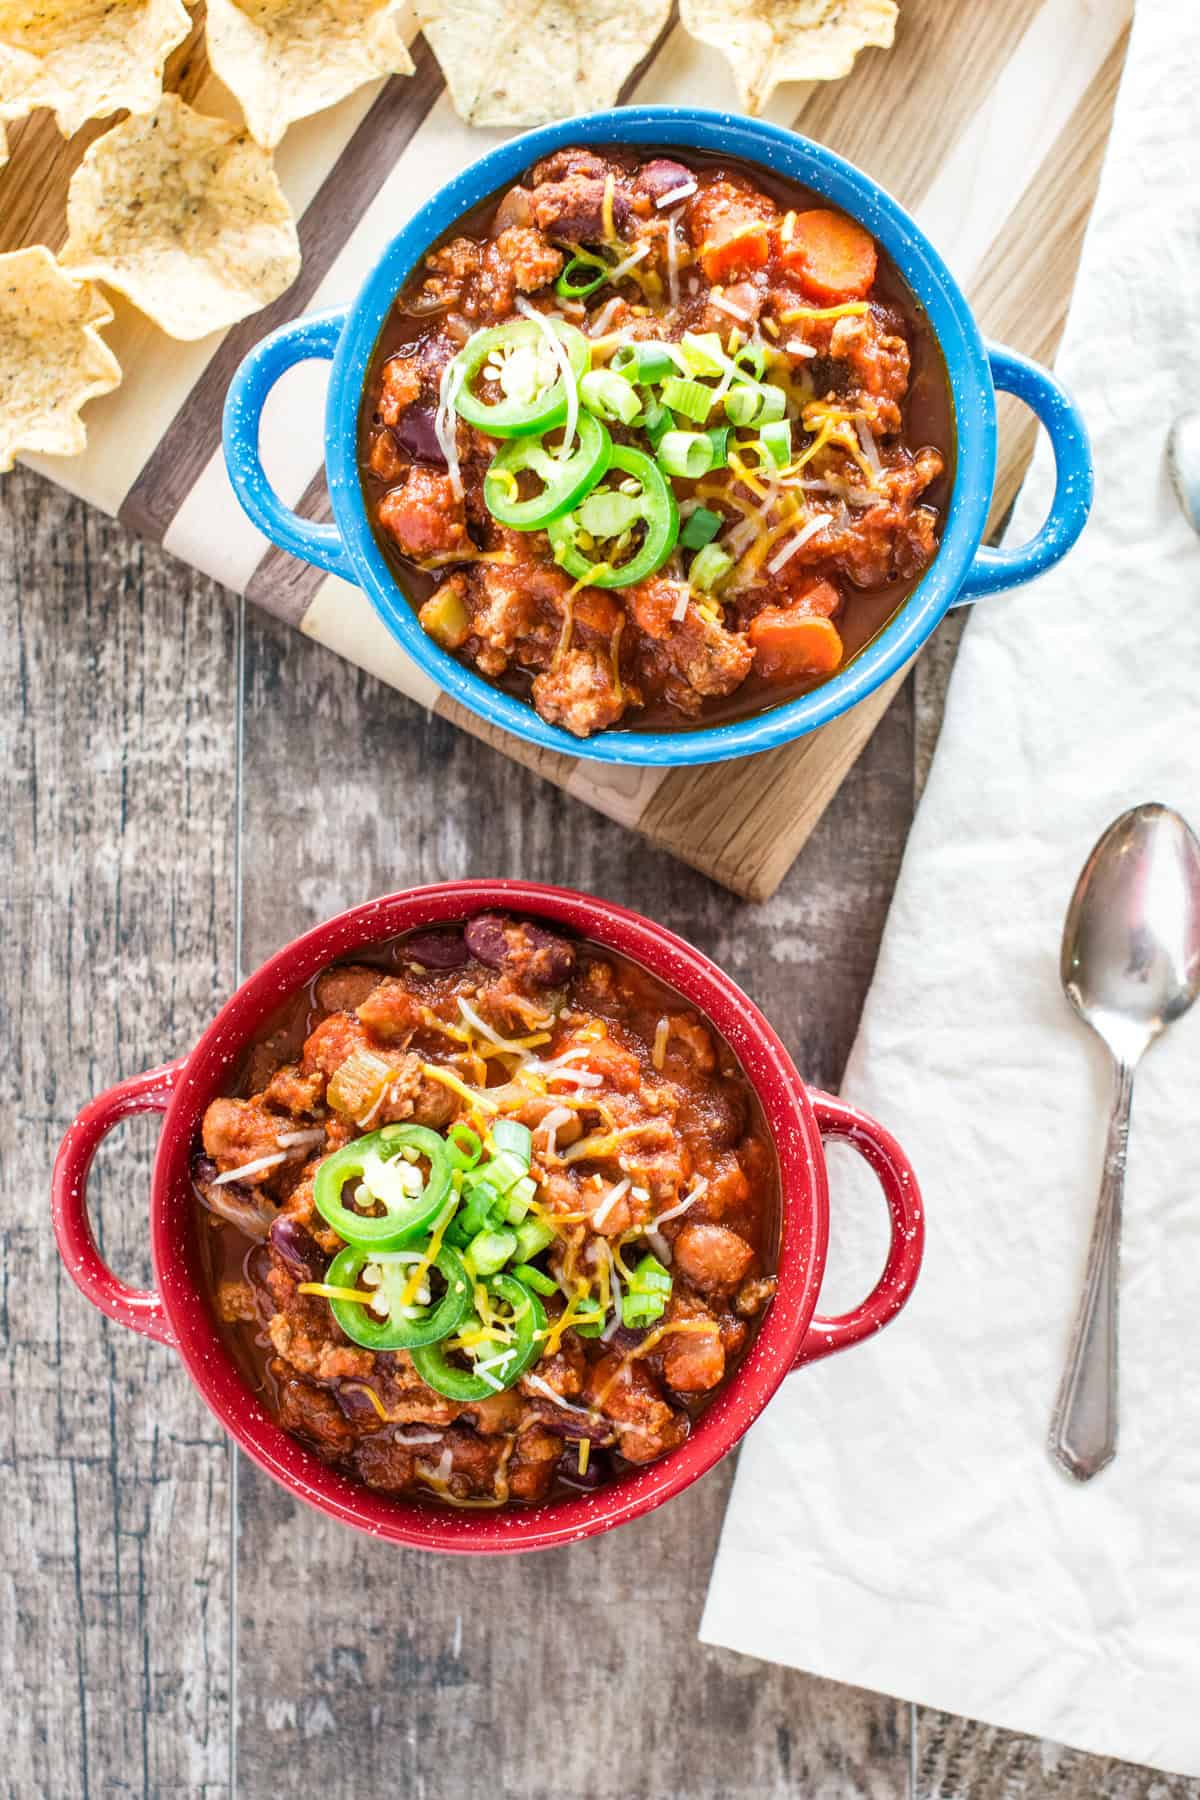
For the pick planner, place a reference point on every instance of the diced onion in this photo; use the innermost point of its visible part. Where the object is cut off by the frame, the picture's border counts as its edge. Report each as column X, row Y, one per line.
column 419, row 1437
column 796, row 542
column 679, row 610
column 682, row 192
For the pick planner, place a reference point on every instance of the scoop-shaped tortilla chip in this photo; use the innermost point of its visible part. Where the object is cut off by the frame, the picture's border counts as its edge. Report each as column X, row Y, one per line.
column 85, row 58
column 183, row 215
column 525, row 62
column 52, row 357
column 769, row 41
column 284, row 59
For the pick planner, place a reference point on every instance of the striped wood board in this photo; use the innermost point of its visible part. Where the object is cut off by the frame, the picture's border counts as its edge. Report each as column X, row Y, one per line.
column 986, row 119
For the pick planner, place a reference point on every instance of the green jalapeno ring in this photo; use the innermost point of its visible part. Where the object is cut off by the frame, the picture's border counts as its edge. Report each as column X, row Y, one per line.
column 529, row 1319
column 655, row 506
column 397, row 1226
column 566, row 481
column 362, row 1327
column 516, row 417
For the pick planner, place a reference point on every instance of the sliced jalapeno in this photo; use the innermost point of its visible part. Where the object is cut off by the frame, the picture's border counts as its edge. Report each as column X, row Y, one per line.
column 405, row 1326
column 410, row 1202
column 610, row 517
column 518, row 360
column 563, row 480
column 508, row 1362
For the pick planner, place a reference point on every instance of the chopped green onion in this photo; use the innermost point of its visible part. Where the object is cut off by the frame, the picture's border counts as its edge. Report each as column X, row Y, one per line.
column 709, row 567
column 720, row 443
column 520, row 1200
column 490, row 1250
column 685, row 453
column 754, row 404
column 532, row 1238
column 506, row 1169
column 700, row 529
column 752, row 359
column 535, row 1279
column 646, row 362
column 570, row 286
column 609, row 396
column 702, row 354
column 510, row 1134
column 776, row 440
column 464, row 1146
column 690, row 398
column 656, row 423
column 647, row 1293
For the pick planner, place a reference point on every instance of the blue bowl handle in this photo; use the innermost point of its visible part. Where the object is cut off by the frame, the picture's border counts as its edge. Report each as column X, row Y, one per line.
column 316, row 335
column 996, row 569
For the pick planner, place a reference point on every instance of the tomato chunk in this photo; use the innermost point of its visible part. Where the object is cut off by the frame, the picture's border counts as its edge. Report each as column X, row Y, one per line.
column 832, row 257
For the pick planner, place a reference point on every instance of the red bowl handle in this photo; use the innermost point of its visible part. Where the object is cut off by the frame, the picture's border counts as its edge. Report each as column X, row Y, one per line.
column 150, row 1092
column 879, row 1148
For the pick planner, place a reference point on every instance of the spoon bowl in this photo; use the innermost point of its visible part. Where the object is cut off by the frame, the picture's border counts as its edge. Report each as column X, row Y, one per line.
column 1130, row 964
column 1183, row 461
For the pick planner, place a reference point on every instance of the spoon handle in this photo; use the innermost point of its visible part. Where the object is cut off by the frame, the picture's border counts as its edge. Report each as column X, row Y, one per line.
column 1083, row 1430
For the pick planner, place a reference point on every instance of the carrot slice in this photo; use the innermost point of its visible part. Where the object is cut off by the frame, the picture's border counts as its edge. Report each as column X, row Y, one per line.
column 833, row 257
column 788, row 645
column 743, row 246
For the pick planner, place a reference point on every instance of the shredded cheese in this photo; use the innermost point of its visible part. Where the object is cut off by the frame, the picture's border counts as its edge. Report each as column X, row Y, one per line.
column 850, row 309
column 600, row 321
column 718, row 299
column 251, row 1168
column 699, row 1187
column 672, row 259
column 559, row 351
column 475, row 1097
column 679, row 610
column 585, row 1445
column 648, row 1343
column 662, row 1036
column 810, row 530
column 870, row 450
column 298, row 1140
column 445, row 422
column 609, row 1201
column 683, row 192
column 796, row 347
column 416, row 1280
column 606, row 210
column 634, row 257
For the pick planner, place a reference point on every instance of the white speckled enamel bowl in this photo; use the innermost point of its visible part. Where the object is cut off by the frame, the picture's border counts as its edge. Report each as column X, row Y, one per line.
column 178, row 1312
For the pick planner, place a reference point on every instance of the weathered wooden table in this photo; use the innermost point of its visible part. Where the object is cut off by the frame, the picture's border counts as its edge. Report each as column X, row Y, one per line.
column 188, row 785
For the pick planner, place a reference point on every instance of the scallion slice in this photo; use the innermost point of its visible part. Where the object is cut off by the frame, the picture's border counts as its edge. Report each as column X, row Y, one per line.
column 691, row 398
column 686, row 453
column 609, row 396
column 719, row 436
column 647, row 363
column 709, row 567
column 702, row 354
column 754, row 403
column 776, row 439
column 700, row 529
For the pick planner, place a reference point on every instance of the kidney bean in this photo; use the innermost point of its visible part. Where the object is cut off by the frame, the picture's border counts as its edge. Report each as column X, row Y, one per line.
column 662, row 176
column 415, row 434
column 435, row 949
column 596, row 1472
column 298, row 1250
column 571, row 1425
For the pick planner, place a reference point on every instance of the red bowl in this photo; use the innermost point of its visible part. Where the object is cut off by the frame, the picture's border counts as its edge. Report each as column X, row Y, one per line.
column 178, row 1312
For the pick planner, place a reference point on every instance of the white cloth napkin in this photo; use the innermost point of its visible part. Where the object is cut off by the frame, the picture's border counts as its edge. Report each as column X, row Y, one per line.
column 896, row 1521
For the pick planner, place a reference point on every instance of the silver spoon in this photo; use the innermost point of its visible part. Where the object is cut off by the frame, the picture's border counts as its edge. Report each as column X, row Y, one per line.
column 1183, row 460
column 1130, row 964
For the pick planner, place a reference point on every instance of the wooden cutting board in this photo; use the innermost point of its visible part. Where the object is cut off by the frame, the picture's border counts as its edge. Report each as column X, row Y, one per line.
column 987, row 120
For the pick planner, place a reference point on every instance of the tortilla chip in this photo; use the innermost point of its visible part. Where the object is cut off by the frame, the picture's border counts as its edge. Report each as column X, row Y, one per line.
column 526, row 62
column 285, row 59
column 184, row 216
column 769, row 41
column 85, row 58
column 52, row 357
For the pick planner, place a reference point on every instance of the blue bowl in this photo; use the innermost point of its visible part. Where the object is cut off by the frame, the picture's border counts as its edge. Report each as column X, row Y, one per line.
column 961, row 571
